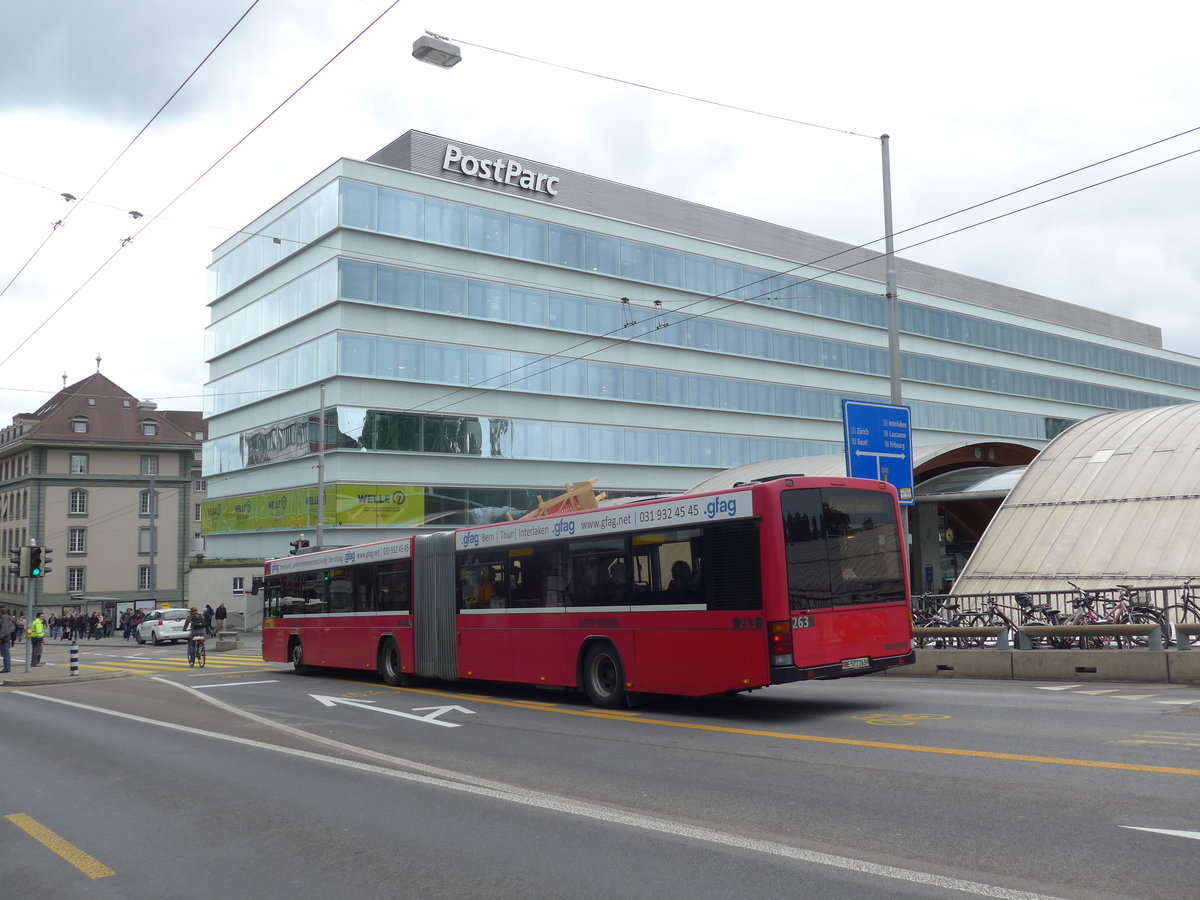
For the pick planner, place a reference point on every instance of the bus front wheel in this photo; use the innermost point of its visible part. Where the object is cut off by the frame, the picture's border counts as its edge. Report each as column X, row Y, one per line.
column 603, row 676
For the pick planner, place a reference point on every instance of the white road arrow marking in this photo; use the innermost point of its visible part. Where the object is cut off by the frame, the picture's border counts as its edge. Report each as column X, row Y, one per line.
column 439, row 710
column 1060, row 687
column 367, row 704
column 1194, row 835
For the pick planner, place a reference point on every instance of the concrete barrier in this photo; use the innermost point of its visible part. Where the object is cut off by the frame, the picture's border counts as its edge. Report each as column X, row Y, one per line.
column 1090, row 665
column 1184, row 633
column 1183, row 668
column 1161, row 666
column 227, row 640
column 980, row 662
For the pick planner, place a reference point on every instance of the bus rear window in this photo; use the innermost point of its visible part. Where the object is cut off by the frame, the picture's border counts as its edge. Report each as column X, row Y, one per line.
column 842, row 547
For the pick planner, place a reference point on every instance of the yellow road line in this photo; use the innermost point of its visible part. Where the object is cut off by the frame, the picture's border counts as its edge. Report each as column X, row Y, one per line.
column 616, row 715
column 88, row 865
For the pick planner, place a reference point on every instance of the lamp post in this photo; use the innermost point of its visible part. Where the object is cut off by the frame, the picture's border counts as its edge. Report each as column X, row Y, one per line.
column 889, row 258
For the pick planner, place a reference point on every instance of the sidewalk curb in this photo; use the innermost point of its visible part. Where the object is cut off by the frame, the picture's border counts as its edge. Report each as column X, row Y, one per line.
column 39, row 679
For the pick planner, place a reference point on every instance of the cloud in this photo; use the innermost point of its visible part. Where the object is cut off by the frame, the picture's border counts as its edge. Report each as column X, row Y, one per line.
column 118, row 61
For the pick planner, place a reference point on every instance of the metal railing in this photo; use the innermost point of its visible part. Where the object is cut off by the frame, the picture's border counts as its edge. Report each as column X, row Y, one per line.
column 1160, row 599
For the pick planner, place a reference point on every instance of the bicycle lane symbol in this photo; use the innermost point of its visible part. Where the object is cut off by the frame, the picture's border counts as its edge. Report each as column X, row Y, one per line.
column 898, row 718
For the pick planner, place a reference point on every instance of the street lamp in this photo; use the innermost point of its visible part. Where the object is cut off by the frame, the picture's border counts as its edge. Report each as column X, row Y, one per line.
column 429, row 48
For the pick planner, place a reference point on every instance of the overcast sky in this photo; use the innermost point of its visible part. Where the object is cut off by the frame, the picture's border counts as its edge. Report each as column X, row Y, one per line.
column 979, row 100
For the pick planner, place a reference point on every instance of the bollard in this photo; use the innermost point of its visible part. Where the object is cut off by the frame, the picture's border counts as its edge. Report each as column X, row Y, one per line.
column 74, row 658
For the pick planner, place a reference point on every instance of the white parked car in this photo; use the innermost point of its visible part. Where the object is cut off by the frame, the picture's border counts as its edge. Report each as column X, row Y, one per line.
column 165, row 625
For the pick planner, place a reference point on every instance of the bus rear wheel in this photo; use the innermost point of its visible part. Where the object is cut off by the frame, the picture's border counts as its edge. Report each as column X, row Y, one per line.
column 603, row 676
column 297, row 655
column 389, row 664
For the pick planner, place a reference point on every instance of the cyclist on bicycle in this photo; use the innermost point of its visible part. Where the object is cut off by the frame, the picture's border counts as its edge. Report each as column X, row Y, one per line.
column 196, row 627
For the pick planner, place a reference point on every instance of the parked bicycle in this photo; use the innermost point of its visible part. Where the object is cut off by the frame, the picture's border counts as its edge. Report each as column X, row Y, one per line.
column 936, row 611
column 1027, row 613
column 1130, row 609
column 1187, row 610
column 1084, row 613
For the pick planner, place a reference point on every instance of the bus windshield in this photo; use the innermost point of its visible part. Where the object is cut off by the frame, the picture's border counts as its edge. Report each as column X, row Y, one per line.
column 842, row 547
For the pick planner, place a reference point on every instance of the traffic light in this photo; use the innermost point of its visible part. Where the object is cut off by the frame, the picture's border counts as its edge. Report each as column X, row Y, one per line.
column 25, row 558
column 14, row 557
column 35, row 562
column 40, row 558
column 298, row 545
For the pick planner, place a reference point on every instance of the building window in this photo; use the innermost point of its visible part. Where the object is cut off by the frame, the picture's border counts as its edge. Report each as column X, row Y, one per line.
column 239, row 585
column 79, row 463
column 146, row 507
column 79, row 425
column 76, row 579
column 143, row 541
column 197, row 513
column 143, row 578
column 149, row 429
column 149, row 465
column 77, row 502
column 199, row 435
column 91, row 401
column 125, row 403
column 200, row 486
column 77, row 540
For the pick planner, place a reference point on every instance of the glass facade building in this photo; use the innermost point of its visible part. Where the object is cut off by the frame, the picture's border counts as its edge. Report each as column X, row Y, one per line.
column 475, row 339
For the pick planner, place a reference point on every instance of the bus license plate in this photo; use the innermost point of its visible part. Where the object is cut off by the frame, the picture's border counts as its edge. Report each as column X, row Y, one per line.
column 863, row 662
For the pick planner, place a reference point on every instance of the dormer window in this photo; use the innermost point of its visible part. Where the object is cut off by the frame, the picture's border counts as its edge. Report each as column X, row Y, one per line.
column 149, row 428
column 79, row 425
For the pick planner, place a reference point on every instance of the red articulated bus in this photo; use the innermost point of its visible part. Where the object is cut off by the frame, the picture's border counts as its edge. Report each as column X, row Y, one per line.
column 766, row 583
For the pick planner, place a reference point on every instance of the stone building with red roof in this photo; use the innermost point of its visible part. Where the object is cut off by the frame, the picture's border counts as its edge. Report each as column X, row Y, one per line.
column 106, row 481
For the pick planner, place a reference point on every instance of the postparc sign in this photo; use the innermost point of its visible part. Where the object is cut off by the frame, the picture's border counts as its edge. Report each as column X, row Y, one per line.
column 499, row 170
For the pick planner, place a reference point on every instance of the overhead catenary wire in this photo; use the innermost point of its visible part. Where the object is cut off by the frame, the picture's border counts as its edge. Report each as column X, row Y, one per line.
column 150, row 220
column 701, row 300
column 77, row 200
column 477, row 388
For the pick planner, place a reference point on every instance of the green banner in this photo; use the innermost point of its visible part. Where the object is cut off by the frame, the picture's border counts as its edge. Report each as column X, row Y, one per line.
column 371, row 505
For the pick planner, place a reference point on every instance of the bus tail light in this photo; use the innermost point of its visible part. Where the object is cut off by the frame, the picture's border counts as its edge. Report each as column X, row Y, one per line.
column 779, row 636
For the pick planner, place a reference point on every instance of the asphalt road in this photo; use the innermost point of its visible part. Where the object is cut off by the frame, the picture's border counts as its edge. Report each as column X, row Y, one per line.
column 249, row 780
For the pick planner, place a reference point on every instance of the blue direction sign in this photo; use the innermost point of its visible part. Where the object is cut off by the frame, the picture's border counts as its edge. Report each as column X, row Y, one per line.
column 879, row 444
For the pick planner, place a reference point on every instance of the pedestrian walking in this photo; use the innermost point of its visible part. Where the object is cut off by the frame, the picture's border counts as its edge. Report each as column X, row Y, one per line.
column 37, row 634
column 7, row 627
column 22, row 627
column 221, row 615
column 208, row 620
